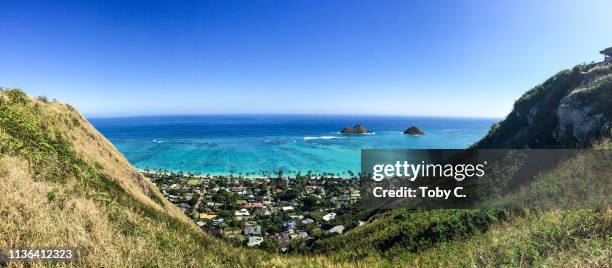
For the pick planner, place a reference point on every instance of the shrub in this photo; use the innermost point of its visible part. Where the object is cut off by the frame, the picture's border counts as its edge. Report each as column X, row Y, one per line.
column 17, row 96
column 43, row 99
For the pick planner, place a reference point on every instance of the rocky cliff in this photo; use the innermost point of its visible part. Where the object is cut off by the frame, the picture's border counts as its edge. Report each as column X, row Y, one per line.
column 572, row 109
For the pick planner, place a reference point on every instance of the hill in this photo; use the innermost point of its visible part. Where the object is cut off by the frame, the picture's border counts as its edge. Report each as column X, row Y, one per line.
column 572, row 109
column 63, row 184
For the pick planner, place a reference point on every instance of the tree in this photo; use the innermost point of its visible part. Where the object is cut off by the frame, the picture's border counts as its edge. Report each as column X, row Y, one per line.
column 289, row 195
column 311, row 203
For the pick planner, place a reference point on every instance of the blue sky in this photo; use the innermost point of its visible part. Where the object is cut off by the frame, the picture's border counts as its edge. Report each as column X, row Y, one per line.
column 453, row 58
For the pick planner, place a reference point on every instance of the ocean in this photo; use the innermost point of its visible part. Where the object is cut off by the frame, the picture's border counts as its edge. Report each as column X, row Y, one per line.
column 251, row 145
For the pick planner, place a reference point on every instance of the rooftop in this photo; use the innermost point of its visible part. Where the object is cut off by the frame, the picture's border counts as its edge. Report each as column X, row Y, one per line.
column 607, row 51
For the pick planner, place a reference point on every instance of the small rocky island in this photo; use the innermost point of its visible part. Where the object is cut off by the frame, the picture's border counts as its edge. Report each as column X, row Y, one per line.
column 413, row 130
column 357, row 129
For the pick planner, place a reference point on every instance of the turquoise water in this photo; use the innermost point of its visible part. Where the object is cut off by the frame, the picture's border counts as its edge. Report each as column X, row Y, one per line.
column 241, row 144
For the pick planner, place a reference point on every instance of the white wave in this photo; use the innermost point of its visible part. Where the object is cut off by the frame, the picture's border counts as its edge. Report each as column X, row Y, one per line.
column 322, row 138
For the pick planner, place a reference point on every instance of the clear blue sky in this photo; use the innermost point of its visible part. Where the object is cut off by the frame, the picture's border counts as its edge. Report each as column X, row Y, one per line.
column 457, row 58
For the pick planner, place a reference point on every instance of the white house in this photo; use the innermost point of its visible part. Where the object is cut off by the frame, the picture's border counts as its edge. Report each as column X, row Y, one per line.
column 288, row 208
column 329, row 216
column 307, row 221
column 242, row 212
column 337, row 229
column 254, row 241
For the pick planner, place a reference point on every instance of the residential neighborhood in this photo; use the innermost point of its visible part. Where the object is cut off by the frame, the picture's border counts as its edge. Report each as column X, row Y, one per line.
column 261, row 212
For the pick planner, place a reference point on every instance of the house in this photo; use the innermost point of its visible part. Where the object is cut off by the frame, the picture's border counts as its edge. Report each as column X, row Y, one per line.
column 201, row 224
column 287, row 208
column 290, row 224
column 299, row 217
column 213, row 204
column 239, row 190
column 307, row 221
column 607, row 55
column 252, row 230
column 218, row 222
column 242, row 212
column 343, row 198
column 311, row 189
column 273, row 210
column 254, row 241
column 253, row 205
column 282, row 238
column 329, row 216
column 262, row 211
column 302, row 234
column 204, row 216
column 250, row 223
column 337, row 229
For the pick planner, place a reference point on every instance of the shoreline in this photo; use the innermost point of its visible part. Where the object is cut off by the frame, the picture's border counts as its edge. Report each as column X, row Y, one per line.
column 236, row 176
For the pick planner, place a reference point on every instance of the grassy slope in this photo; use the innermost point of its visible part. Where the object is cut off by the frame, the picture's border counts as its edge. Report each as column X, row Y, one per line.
column 576, row 238
column 64, row 184
column 591, row 83
column 498, row 238
column 84, row 193
column 495, row 237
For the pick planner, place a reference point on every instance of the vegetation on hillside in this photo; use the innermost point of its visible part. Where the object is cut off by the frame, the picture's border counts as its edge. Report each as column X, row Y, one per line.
column 519, row 237
column 52, row 196
column 534, row 117
column 480, row 237
column 400, row 231
column 64, row 184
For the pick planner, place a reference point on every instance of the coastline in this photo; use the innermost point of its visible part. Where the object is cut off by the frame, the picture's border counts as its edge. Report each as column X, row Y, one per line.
column 237, row 176
column 258, row 146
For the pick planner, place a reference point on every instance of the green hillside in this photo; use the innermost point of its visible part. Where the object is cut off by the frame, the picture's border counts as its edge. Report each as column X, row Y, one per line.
column 573, row 109
column 64, row 184
column 486, row 237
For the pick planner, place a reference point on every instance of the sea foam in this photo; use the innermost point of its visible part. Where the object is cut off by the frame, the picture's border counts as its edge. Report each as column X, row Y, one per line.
column 322, row 138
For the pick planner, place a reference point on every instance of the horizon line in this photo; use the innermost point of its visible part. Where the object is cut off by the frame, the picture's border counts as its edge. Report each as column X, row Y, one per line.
column 289, row 114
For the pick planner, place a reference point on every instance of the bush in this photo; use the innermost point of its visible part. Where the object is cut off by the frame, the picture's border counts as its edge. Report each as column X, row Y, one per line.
column 16, row 96
column 43, row 99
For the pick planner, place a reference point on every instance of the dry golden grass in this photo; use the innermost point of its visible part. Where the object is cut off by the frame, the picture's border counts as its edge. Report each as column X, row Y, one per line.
column 43, row 213
column 29, row 220
column 133, row 230
column 95, row 148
